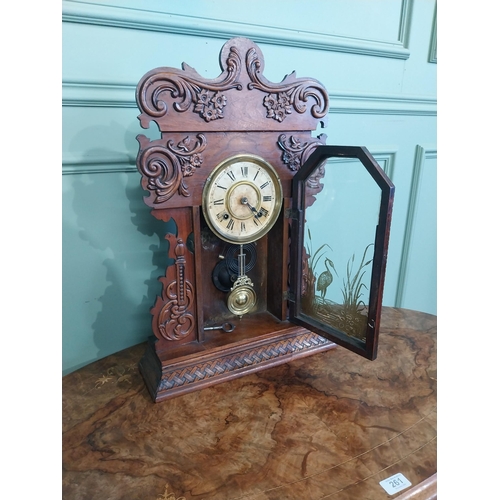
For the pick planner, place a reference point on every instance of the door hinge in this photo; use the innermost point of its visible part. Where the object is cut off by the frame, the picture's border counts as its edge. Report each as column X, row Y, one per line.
column 287, row 295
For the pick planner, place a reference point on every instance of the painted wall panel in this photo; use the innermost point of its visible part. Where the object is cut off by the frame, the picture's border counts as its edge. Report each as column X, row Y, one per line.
column 417, row 283
column 419, row 74
column 293, row 25
column 322, row 16
column 371, row 55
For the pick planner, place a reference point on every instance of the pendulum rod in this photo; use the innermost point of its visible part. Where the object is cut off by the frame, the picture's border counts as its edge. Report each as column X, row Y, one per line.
column 241, row 262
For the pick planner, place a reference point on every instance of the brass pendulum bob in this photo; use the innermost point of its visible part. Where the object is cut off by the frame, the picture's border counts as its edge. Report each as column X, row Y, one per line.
column 242, row 297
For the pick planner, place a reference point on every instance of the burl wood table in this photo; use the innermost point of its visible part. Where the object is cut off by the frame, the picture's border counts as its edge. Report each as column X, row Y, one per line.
column 330, row 426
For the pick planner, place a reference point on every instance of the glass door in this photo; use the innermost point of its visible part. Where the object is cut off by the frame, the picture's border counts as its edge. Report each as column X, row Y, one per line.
column 342, row 205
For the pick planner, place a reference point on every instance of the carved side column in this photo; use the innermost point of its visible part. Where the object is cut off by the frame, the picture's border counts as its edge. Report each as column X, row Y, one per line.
column 175, row 312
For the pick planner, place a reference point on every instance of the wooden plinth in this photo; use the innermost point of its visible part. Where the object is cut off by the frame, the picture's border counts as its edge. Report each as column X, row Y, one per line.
column 235, row 356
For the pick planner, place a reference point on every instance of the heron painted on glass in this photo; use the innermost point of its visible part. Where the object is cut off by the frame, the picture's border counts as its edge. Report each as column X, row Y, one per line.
column 325, row 278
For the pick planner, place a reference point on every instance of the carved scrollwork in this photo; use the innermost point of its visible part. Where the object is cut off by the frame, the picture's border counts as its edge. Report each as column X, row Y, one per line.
column 314, row 180
column 166, row 167
column 189, row 89
column 295, row 153
column 175, row 320
column 291, row 93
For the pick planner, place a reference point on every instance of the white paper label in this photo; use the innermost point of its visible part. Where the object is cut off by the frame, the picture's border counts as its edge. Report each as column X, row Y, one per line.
column 395, row 483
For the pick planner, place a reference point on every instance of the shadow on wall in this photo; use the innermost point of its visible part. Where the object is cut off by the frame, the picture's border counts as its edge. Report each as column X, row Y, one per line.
column 107, row 209
column 122, row 320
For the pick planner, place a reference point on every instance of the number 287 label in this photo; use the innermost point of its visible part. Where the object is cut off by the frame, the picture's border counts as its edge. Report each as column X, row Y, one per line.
column 395, row 483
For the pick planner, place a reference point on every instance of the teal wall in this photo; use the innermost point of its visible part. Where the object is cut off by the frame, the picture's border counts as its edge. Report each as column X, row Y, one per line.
column 377, row 59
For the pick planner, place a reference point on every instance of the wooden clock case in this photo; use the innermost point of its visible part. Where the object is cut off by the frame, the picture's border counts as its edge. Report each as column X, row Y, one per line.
column 203, row 122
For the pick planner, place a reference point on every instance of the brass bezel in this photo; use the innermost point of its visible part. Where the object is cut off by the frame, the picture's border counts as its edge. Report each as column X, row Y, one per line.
column 274, row 213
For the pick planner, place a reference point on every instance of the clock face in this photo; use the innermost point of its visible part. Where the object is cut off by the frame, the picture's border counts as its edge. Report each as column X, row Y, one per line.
column 242, row 199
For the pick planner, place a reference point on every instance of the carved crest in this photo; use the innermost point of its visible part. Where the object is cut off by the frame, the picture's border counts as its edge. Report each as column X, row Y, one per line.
column 239, row 101
column 291, row 93
column 241, row 90
column 188, row 90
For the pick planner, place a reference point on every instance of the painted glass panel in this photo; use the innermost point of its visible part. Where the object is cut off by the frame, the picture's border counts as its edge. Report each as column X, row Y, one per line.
column 340, row 228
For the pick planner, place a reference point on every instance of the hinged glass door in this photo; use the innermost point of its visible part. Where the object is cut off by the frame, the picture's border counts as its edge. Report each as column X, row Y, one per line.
column 339, row 246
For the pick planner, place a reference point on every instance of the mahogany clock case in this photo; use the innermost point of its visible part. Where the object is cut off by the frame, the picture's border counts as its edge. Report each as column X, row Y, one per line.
column 203, row 123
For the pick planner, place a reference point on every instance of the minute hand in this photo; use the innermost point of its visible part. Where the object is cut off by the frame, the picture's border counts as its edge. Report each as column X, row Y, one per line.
column 256, row 214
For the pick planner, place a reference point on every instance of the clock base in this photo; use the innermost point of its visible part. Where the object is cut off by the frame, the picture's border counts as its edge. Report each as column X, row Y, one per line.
column 169, row 377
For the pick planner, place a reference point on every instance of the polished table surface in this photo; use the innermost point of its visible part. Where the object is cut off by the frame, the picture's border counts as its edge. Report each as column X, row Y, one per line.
column 332, row 425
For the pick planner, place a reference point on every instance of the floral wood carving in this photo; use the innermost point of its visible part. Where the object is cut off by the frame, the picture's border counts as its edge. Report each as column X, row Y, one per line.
column 188, row 89
column 291, row 92
column 175, row 320
column 295, row 153
column 236, row 93
column 166, row 167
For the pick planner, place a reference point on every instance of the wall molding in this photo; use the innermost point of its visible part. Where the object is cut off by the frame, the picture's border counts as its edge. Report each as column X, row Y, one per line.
column 106, row 95
column 120, row 162
column 382, row 104
column 120, row 17
column 421, row 156
column 386, row 158
column 433, row 44
column 405, row 22
column 115, row 95
column 117, row 162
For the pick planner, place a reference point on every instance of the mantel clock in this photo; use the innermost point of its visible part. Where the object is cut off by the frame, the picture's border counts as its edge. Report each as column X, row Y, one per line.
column 277, row 241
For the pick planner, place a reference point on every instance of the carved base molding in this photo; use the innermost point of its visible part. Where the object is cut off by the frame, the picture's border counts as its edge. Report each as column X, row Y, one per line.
column 168, row 378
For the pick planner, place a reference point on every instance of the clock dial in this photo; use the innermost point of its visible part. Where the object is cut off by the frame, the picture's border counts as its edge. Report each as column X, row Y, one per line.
column 242, row 199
